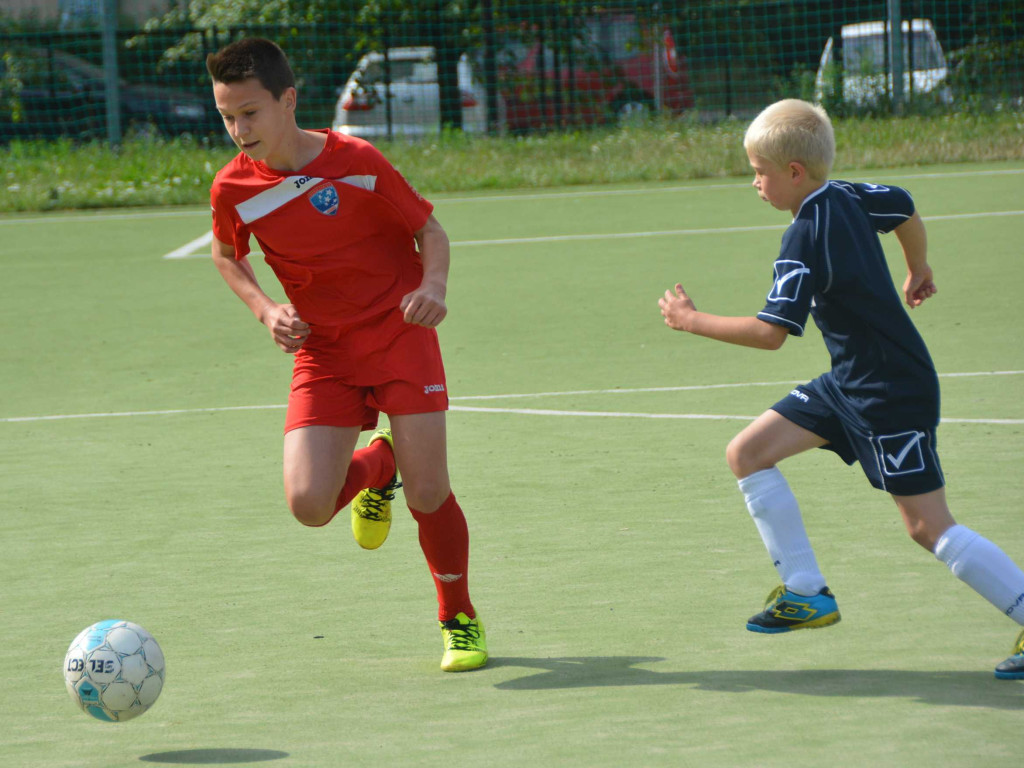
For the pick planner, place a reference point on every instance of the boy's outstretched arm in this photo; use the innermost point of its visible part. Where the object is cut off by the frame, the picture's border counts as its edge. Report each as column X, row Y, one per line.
column 680, row 314
column 913, row 239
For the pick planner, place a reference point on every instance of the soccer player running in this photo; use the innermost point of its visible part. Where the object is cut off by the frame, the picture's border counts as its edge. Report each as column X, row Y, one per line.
column 364, row 265
column 878, row 405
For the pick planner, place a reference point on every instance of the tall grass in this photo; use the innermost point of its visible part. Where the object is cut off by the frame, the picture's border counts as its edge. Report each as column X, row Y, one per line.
column 42, row 176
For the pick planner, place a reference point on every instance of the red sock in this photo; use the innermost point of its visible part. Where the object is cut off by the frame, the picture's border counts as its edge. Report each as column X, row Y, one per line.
column 444, row 539
column 371, row 467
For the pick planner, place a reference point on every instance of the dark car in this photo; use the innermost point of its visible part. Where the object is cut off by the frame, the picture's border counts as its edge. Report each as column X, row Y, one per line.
column 46, row 93
column 615, row 67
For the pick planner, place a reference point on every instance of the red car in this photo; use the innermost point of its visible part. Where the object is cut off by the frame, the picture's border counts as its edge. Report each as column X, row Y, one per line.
column 617, row 67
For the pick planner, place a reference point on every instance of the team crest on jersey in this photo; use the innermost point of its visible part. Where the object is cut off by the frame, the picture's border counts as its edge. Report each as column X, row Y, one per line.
column 789, row 276
column 325, row 198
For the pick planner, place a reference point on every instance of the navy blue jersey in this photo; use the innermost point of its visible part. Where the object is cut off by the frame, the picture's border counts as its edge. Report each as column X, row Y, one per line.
column 832, row 266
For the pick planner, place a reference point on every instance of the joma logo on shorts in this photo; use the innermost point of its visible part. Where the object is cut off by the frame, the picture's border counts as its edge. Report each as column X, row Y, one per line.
column 433, row 388
column 801, row 395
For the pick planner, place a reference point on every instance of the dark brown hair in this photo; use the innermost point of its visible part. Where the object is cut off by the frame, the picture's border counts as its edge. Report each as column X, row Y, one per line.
column 252, row 57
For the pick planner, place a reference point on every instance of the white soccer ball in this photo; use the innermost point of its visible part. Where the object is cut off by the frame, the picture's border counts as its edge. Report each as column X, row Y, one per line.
column 114, row 670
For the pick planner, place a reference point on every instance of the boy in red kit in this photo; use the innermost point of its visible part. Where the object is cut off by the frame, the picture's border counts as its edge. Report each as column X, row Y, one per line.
column 364, row 264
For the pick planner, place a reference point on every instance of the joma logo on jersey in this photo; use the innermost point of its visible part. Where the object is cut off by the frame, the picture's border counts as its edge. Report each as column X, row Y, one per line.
column 433, row 388
column 789, row 276
column 325, row 198
column 800, row 395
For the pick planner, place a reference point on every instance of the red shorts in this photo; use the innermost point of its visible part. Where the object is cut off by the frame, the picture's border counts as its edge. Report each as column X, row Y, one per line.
column 344, row 376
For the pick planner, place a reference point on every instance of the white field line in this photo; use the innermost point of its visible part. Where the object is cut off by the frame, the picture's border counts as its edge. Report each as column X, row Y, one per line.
column 115, row 414
column 534, row 411
column 690, row 416
column 191, row 250
column 694, row 188
column 77, row 218
column 699, row 387
column 685, row 232
column 441, row 199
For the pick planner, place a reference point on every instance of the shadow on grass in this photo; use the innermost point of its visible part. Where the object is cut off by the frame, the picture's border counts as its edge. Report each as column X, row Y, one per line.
column 976, row 688
column 213, row 756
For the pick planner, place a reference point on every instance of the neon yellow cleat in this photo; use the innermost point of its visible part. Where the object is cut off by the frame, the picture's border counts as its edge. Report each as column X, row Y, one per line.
column 371, row 508
column 465, row 644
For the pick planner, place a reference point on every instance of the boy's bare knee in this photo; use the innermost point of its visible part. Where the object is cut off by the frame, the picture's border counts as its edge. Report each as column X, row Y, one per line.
column 739, row 458
column 926, row 517
column 310, row 510
column 426, row 498
column 922, row 536
column 927, row 532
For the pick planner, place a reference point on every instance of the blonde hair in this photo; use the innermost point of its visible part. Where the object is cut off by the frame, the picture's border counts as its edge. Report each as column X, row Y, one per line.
column 790, row 131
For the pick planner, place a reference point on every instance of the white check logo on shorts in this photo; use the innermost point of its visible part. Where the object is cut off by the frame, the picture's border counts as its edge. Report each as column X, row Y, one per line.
column 901, row 454
column 789, row 276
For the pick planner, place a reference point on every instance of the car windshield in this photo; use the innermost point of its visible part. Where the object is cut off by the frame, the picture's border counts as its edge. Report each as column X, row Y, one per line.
column 618, row 38
column 402, row 71
column 42, row 68
column 867, row 53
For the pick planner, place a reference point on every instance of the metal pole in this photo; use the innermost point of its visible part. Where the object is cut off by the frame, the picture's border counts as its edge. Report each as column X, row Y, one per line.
column 896, row 53
column 658, row 52
column 490, row 72
column 387, row 81
column 111, row 82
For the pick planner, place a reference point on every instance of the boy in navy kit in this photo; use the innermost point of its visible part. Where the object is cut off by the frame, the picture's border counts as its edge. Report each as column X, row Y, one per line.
column 878, row 405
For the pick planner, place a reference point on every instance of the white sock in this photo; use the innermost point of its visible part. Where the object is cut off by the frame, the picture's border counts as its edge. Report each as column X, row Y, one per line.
column 777, row 515
column 985, row 568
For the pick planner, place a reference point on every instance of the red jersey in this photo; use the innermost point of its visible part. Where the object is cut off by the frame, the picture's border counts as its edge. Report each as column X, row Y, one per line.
column 338, row 234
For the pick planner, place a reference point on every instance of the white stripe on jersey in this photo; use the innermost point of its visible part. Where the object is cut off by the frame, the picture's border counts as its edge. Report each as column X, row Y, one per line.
column 828, row 253
column 289, row 188
column 269, row 200
column 873, row 188
column 779, row 320
column 369, row 183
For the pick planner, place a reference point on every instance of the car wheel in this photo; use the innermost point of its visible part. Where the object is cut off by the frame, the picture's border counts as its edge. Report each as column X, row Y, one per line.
column 140, row 128
column 630, row 107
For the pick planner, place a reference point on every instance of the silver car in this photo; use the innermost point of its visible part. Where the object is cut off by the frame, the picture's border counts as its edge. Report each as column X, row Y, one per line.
column 413, row 93
column 866, row 79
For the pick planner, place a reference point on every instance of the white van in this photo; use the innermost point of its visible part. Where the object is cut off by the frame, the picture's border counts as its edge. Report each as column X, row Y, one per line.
column 866, row 78
column 414, row 93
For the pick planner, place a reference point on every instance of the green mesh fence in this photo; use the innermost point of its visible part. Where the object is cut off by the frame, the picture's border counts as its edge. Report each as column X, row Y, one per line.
column 409, row 68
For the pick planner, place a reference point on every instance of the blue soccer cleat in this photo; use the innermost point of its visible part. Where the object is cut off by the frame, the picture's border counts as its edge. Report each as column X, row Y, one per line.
column 785, row 611
column 1013, row 667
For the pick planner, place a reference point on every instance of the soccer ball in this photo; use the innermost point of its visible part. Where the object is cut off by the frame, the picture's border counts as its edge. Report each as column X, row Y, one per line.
column 114, row 670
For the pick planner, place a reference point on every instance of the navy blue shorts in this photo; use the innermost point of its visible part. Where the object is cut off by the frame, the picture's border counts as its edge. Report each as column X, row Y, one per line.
column 899, row 458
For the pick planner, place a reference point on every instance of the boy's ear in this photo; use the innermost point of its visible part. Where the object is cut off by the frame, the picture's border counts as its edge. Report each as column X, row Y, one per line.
column 797, row 172
column 289, row 98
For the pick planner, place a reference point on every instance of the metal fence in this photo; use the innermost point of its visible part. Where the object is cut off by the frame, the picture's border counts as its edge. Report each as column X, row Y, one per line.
column 520, row 66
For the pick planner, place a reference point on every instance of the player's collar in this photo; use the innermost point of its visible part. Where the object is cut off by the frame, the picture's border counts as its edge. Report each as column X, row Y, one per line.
column 815, row 193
